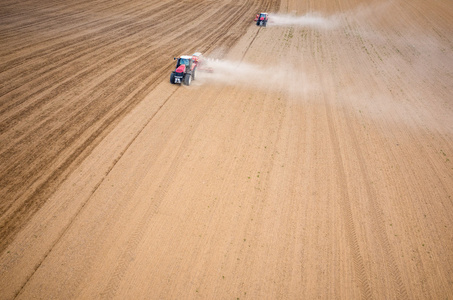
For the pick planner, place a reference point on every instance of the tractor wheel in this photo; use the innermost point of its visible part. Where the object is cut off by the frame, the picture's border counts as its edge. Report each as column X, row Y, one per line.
column 187, row 79
column 193, row 73
column 172, row 77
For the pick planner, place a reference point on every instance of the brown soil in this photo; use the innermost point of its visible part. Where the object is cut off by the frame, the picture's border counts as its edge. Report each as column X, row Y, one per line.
column 325, row 173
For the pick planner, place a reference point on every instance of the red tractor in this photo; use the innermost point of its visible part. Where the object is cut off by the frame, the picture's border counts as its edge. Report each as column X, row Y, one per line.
column 261, row 19
column 186, row 67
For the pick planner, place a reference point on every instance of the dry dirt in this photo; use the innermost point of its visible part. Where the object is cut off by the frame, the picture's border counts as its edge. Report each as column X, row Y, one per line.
column 321, row 166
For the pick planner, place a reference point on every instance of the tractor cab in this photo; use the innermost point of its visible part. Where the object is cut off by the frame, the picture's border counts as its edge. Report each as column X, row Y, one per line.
column 187, row 61
column 263, row 16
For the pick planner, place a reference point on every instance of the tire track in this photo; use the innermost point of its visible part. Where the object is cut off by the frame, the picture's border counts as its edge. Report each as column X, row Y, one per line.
column 345, row 202
column 250, row 44
column 375, row 218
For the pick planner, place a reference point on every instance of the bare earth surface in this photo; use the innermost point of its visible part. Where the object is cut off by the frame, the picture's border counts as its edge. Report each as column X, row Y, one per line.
column 315, row 162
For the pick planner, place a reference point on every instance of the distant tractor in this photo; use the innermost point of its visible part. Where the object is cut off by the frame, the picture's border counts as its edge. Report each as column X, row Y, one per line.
column 261, row 19
column 185, row 70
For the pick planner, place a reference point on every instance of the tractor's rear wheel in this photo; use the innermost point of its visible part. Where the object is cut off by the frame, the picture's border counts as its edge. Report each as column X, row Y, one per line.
column 193, row 73
column 187, row 79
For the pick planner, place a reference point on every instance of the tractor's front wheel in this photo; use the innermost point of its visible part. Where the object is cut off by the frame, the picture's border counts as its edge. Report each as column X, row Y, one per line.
column 172, row 77
column 193, row 73
column 187, row 79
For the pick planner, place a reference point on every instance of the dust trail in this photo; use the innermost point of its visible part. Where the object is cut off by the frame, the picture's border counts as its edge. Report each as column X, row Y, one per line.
column 311, row 20
column 316, row 20
column 281, row 77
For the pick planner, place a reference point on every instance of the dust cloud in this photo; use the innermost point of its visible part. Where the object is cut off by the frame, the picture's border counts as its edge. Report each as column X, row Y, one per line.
column 281, row 77
column 316, row 20
column 311, row 20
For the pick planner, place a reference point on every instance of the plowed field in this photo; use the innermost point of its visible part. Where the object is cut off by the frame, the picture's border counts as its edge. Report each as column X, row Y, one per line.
column 315, row 162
